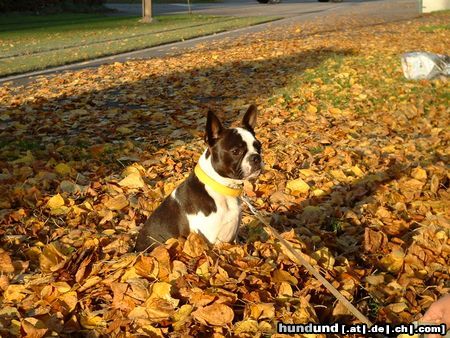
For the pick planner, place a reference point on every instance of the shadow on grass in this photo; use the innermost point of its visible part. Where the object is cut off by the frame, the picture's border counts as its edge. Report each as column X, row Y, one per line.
column 153, row 113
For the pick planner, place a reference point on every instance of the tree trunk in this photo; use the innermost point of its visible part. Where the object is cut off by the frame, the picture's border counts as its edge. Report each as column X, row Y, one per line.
column 146, row 11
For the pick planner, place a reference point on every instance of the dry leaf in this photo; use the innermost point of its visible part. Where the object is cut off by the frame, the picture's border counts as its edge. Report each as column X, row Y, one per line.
column 215, row 314
column 133, row 180
column 195, row 245
column 117, row 203
column 297, row 186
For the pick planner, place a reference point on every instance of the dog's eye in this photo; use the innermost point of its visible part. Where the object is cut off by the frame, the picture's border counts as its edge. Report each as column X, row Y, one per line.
column 236, row 151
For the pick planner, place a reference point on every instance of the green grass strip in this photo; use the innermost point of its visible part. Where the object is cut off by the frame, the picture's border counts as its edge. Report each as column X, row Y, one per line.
column 73, row 41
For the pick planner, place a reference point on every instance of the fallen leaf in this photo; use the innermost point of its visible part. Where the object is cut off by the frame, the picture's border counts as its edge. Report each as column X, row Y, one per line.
column 133, row 180
column 117, row 203
column 215, row 314
column 297, row 186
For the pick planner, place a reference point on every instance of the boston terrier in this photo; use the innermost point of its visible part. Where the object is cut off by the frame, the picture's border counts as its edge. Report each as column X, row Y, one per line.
column 208, row 202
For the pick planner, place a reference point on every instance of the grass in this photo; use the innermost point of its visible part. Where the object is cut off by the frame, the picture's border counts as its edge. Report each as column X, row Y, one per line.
column 434, row 28
column 37, row 42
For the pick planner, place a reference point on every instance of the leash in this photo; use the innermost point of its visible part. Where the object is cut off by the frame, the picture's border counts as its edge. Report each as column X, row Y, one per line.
column 271, row 231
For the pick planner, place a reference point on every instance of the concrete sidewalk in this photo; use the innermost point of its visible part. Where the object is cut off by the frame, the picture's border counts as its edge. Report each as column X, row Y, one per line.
column 384, row 10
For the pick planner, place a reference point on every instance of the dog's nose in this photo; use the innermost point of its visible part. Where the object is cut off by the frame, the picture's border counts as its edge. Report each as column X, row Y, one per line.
column 255, row 159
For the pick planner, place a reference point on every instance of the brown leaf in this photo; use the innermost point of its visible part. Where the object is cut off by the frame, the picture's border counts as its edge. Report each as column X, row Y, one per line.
column 52, row 258
column 6, row 265
column 215, row 314
column 33, row 328
column 195, row 245
column 374, row 241
column 117, row 203
column 147, row 266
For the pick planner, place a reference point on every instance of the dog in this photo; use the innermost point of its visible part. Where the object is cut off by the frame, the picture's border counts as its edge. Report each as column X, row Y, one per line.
column 208, row 202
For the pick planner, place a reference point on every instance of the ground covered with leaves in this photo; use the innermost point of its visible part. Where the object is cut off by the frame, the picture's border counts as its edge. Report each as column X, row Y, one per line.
column 356, row 178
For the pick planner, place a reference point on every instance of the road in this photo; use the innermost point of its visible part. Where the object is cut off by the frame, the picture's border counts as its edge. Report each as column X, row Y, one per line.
column 287, row 8
column 294, row 11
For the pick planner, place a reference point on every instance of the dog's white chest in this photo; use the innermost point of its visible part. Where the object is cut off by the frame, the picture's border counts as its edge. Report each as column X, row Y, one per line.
column 219, row 226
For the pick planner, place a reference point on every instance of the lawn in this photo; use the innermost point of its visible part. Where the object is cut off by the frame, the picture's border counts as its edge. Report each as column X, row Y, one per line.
column 37, row 42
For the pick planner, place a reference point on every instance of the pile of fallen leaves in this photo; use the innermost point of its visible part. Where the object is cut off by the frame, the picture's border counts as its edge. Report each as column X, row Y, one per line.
column 357, row 179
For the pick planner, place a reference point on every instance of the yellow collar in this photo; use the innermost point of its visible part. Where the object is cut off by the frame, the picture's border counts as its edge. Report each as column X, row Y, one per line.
column 214, row 185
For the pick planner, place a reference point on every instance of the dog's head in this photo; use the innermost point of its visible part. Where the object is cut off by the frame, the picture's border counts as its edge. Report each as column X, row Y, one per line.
column 235, row 152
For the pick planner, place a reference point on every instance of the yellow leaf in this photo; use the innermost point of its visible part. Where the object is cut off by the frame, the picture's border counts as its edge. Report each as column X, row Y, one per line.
column 397, row 307
column 134, row 168
column 419, row 174
column 307, row 172
column 318, row 192
column 133, row 181
column 159, row 309
column 324, row 258
column 14, row 293
column 389, row 149
column 91, row 321
column 335, row 111
column 297, row 186
column 339, row 175
column 139, row 312
column 124, row 130
column 162, row 290
column 70, row 300
column 394, row 261
column 52, row 258
column 285, row 290
column 283, row 276
column 62, row 169
column 261, row 311
column 27, row 159
column 248, row 326
column 203, row 270
column 62, row 287
column 357, row 171
column 182, row 316
column 311, row 109
column 55, row 202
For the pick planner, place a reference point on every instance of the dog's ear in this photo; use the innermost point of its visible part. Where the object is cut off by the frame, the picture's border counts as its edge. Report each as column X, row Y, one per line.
column 249, row 119
column 213, row 128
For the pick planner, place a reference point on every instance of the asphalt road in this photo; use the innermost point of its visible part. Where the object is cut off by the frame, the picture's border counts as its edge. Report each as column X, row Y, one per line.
column 293, row 11
column 287, row 8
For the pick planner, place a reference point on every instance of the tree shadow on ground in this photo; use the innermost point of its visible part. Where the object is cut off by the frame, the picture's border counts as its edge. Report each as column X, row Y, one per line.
column 156, row 112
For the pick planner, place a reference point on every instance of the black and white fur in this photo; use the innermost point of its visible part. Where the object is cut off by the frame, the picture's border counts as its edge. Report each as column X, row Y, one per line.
column 233, row 155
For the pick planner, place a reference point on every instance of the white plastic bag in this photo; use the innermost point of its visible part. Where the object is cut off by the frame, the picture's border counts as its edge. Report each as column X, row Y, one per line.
column 423, row 65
